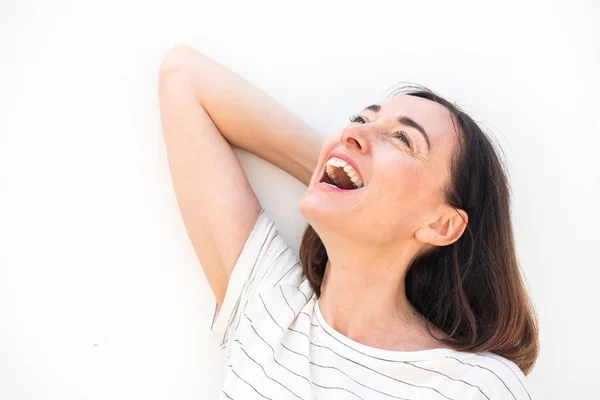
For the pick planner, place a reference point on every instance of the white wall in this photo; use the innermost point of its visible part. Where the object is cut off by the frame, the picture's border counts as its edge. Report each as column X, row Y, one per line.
column 101, row 295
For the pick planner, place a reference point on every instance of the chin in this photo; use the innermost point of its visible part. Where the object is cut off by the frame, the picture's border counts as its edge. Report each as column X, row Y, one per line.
column 333, row 216
column 323, row 214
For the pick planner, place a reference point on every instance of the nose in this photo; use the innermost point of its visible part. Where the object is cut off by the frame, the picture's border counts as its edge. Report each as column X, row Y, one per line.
column 355, row 137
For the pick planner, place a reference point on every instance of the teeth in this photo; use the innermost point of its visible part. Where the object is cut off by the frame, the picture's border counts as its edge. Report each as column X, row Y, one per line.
column 332, row 174
column 348, row 169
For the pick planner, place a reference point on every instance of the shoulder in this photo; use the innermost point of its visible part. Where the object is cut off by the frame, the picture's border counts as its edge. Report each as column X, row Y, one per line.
column 496, row 377
column 266, row 274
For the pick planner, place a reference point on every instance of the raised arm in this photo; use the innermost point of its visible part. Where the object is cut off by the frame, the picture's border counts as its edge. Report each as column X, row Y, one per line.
column 204, row 108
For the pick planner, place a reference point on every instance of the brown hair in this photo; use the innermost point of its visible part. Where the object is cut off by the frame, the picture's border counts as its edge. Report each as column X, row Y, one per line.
column 472, row 290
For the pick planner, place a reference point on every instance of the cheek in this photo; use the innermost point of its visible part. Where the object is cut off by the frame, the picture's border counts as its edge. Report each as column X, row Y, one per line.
column 408, row 188
column 395, row 205
column 402, row 179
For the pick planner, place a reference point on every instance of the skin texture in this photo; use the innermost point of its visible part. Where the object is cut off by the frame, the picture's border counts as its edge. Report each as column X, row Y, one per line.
column 205, row 110
column 372, row 234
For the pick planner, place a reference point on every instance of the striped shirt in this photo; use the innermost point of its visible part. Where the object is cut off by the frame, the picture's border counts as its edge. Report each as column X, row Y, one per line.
column 278, row 346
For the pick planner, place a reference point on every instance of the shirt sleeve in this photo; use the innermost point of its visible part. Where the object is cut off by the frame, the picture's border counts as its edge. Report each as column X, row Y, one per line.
column 264, row 262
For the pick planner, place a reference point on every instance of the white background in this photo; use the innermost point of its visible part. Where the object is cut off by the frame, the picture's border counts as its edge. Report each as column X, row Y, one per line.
column 101, row 295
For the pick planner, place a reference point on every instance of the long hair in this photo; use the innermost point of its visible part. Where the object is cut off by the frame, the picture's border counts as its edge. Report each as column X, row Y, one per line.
column 471, row 290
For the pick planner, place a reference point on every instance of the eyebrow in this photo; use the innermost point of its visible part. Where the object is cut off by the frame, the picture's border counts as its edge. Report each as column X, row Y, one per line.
column 404, row 120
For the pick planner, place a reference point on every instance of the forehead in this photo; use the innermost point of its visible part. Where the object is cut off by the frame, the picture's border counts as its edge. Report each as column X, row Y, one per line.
column 433, row 117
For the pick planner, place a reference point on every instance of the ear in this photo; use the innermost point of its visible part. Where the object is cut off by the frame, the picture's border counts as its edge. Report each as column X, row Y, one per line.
column 446, row 229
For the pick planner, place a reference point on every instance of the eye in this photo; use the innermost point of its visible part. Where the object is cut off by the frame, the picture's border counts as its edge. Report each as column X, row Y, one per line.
column 403, row 137
column 357, row 118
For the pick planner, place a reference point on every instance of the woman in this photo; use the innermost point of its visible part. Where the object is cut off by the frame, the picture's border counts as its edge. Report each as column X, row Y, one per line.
column 406, row 285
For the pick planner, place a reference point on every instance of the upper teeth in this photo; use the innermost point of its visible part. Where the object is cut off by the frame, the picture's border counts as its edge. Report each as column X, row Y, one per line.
column 348, row 169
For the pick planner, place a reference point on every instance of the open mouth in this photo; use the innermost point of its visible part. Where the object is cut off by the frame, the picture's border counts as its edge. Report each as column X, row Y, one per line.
column 340, row 174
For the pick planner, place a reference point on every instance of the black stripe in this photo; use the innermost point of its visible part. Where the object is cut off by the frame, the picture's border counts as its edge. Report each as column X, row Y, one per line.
column 252, row 276
column 289, row 370
column 234, row 311
column 265, row 372
column 358, row 351
column 227, row 395
column 339, row 388
column 302, row 333
column 301, row 282
column 266, row 270
column 230, row 321
column 308, row 315
column 294, row 351
column 275, row 259
column 479, row 366
column 454, row 379
column 323, row 366
column 403, row 362
column 214, row 318
column 267, row 310
column 370, row 369
column 278, row 363
column 301, row 312
column 286, row 302
column 286, row 272
column 260, row 394
column 510, row 369
column 355, row 381
column 273, row 353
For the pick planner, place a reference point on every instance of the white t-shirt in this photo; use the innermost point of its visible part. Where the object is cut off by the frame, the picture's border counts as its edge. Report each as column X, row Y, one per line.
column 278, row 346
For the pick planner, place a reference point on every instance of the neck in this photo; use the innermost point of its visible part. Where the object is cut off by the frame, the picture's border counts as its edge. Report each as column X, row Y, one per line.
column 363, row 293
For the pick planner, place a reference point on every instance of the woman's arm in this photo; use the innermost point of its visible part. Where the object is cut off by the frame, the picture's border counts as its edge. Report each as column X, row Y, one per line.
column 205, row 108
column 247, row 117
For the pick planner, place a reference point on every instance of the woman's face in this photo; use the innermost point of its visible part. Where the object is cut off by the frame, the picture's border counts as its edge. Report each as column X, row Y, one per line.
column 401, row 151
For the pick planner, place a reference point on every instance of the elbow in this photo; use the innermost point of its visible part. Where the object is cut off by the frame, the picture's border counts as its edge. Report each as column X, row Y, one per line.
column 179, row 58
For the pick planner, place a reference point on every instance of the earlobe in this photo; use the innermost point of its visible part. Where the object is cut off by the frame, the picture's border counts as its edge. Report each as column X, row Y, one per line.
column 444, row 231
